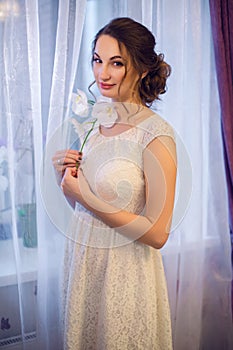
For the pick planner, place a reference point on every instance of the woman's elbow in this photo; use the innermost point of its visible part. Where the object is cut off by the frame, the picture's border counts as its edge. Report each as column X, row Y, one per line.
column 155, row 239
column 159, row 242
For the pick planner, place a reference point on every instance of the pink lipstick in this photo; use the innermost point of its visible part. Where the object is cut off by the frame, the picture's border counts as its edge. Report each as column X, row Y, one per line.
column 105, row 86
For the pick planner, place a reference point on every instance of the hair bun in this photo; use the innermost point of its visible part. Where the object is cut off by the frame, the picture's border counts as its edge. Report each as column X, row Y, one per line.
column 154, row 83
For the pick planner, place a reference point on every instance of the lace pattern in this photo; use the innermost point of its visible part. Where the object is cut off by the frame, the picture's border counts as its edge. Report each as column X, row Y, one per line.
column 115, row 294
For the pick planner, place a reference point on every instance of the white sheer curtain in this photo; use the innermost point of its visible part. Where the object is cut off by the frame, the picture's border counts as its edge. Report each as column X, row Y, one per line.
column 21, row 151
column 37, row 66
column 27, row 62
column 197, row 257
column 70, row 21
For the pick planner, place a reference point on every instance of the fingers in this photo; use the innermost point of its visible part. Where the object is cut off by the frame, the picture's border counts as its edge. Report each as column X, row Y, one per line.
column 66, row 158
column 67, row 181
column 74, row 172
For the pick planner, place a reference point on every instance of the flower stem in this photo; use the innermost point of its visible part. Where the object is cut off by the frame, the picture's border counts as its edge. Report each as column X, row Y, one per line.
column 91, row 102
column 86, row 137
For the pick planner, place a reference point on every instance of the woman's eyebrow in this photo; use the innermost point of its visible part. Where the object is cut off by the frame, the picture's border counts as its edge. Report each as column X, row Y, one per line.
column 114, row 57
column 111, row 58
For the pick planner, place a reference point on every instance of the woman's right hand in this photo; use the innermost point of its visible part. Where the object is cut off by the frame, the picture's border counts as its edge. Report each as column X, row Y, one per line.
column 65, row 159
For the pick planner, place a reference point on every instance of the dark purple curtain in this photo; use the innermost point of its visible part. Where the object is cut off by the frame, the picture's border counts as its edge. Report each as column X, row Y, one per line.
column 221, row 12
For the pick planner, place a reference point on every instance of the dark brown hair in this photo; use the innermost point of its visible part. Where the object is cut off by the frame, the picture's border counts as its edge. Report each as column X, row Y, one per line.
column 139, row 43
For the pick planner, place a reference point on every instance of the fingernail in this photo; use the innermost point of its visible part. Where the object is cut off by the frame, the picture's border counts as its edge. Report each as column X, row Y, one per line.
column 80, row 153
column 79, row 158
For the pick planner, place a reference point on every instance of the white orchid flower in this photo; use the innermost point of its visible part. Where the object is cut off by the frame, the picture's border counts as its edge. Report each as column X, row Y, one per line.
column 83, row 130
column 80, row 103
column 78, row 127
column 105, row 113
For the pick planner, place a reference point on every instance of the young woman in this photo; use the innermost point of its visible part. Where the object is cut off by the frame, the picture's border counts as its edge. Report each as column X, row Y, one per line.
column 115, row 291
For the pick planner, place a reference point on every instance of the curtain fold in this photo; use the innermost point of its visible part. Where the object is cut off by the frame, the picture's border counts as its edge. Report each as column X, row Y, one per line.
column 70, row 23
column 221, row 19
column 147, row 10
column 197, row 256
column 20, row 118
column 34, row 71
column 68, row 40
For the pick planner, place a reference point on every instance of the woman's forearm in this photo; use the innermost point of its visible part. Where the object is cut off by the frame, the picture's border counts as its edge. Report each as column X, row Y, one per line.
column 150, row 231
column 150, row 227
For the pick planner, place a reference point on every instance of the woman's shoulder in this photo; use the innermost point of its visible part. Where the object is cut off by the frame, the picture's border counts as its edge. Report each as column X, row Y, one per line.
column 154, row 126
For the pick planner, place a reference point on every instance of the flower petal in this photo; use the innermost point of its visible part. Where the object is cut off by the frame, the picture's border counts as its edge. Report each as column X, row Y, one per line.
column 82, row 95
column 106, row 113
column 80, row 103
column 77, row 126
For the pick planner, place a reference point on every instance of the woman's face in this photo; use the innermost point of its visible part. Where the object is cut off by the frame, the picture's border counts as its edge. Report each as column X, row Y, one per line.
column 109, row 67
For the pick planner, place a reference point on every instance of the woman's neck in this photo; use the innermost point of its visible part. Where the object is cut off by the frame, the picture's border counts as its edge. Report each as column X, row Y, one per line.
column 129, row 115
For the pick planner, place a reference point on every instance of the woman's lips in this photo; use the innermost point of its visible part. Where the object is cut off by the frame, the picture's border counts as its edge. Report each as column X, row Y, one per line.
column 106, row 86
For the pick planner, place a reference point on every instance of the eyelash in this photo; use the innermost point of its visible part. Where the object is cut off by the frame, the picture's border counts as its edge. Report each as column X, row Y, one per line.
column 115, row 63
column 97, row 60
column 118, row 64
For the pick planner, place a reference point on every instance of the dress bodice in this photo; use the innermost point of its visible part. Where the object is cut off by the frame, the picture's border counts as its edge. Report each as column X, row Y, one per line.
column 113, row 166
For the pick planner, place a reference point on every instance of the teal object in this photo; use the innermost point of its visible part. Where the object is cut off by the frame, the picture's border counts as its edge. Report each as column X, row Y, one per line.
column 28, row 224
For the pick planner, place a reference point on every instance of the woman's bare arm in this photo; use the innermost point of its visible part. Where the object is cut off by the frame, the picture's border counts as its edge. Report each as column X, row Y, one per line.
column 153, row 226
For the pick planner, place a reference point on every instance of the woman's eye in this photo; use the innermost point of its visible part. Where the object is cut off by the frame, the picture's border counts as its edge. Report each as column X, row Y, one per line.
column 97, row 60
column 118, row 64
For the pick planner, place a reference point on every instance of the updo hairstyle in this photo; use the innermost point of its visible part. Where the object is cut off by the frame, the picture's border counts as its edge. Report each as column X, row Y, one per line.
column 139, row 43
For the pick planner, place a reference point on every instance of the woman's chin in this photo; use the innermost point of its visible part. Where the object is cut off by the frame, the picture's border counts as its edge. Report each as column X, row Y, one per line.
column 107, row 94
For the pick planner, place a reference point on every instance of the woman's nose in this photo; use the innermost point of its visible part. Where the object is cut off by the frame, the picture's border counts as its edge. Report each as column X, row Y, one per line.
column 104, row 73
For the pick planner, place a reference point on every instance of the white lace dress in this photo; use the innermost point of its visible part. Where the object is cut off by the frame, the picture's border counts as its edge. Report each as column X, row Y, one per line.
column 115, row 292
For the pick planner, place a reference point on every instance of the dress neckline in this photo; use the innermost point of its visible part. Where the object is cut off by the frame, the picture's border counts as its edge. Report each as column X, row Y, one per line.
column 128, row 130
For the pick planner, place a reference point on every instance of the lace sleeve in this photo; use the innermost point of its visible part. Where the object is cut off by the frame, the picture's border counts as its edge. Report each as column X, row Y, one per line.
column 154, row 127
